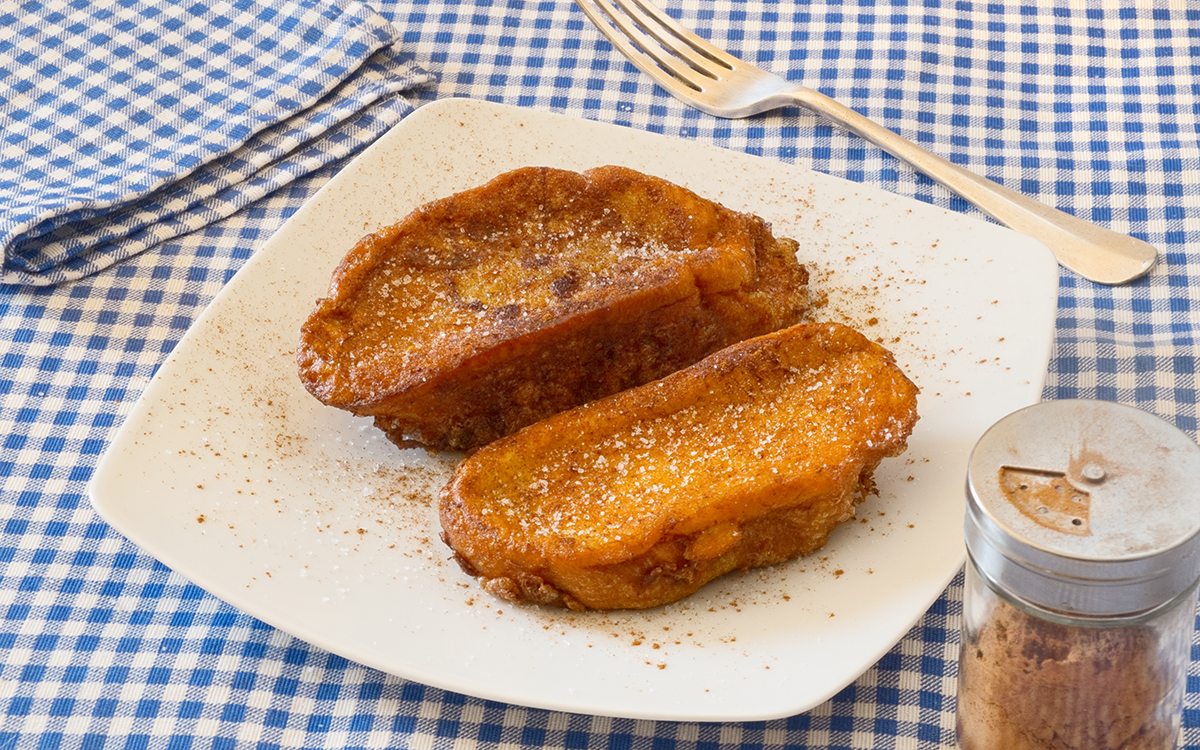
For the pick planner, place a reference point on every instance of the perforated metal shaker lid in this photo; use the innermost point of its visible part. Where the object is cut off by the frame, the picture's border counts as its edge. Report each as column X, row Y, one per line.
column 1086, row 508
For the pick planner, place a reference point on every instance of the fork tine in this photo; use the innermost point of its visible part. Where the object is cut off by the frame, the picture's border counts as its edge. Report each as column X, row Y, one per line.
column 643, row 11
column 646, row 52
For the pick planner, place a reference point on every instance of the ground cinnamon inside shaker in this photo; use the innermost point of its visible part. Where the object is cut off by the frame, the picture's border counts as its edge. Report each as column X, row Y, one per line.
column 1030, row 684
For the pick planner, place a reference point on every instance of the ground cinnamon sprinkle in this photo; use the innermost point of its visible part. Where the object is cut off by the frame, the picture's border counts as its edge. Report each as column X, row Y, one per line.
column 1030, row 684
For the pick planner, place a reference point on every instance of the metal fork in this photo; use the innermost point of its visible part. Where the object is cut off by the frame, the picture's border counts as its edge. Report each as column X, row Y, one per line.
column 716, row 82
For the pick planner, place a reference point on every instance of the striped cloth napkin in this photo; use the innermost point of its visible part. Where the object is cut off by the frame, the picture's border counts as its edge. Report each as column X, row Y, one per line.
column 124, row 123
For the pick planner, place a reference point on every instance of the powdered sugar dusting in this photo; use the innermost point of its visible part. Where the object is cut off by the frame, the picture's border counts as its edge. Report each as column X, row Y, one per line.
column 812, row 422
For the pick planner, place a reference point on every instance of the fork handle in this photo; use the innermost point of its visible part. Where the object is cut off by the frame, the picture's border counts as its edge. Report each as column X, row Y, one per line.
column 1092, row 251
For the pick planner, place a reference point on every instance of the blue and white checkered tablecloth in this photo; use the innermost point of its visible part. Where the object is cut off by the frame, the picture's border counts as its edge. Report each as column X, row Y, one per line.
column 1093, row 107
column 131, row 122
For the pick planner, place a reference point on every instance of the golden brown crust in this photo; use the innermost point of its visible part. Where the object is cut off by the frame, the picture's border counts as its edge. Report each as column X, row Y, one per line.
column 748, row 458
column 543, row 289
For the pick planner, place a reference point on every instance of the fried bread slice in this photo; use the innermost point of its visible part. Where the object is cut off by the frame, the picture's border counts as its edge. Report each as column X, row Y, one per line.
column 493, row 308
column 748, row 458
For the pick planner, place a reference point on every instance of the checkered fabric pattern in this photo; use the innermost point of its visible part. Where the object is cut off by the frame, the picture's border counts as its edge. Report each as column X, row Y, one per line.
column 1091, row 107
column 126, row 123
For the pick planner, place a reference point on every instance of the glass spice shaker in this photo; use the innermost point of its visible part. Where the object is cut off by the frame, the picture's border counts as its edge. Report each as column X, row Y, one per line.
column 1082, row 536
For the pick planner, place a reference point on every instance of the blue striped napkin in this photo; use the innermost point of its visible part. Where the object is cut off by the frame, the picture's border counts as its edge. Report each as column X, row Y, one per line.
column 124, row 123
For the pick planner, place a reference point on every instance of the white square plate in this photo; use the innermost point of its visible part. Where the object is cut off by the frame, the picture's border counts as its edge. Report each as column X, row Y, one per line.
column 229, row 472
